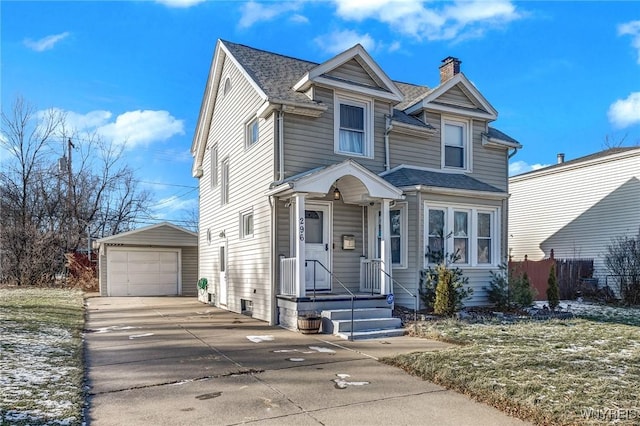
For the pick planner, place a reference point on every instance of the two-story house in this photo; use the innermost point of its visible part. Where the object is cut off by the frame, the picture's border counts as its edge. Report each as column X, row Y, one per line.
column 577, row 208
column 320, row 183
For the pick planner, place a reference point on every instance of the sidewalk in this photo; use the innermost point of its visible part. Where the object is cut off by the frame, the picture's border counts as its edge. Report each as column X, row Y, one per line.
column 175, row 361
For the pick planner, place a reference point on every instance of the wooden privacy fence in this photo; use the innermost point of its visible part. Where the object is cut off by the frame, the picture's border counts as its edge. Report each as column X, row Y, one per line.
column 570, row 273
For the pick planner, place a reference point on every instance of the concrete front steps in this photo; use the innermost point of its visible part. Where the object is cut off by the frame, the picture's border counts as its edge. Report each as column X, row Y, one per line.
column 368, row 323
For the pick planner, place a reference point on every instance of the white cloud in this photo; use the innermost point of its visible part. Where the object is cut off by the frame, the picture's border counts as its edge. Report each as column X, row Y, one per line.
column 89, row 121
column 518, row 167
column 180, row 3
column 253, row 11
column 625, row 112
column 45, row 43
column 432, row 21
column 133, row 128
column 633, row 29
column 339, row 41
column 136, row 128
column 299, row 19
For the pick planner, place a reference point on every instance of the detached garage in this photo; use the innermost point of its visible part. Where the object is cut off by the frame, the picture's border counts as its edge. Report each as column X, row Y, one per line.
column 157, row 260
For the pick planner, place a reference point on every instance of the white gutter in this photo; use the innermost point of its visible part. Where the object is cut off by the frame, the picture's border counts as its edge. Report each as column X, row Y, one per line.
column 459, row 192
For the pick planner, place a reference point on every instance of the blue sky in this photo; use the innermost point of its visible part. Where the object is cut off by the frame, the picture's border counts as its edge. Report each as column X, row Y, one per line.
column 564, row 76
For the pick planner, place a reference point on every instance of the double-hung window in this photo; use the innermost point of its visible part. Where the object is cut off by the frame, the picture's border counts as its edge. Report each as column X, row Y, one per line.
column 252, row 133
column 214, row 165
column 485, row 231
column 455, row 144
column 469, row 232
column 353, row 126
column 435, row 233
column 246, row 224
column 224, row 184
column 398, row 235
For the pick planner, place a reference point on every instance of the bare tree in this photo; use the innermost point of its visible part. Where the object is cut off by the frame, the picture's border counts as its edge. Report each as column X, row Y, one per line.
column 49, row 206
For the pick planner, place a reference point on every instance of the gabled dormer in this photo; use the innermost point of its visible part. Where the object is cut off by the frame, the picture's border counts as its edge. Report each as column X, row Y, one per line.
column 357, row 81
column 457, row 103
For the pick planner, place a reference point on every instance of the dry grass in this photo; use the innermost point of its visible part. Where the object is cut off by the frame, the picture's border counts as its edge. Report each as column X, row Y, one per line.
column 41, row 367
column 560, row 372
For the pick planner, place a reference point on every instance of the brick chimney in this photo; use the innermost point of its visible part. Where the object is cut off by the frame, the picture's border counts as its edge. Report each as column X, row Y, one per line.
column 450, row 67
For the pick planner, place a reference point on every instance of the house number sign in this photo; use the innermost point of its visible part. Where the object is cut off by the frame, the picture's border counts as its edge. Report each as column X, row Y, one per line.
column 301, row 229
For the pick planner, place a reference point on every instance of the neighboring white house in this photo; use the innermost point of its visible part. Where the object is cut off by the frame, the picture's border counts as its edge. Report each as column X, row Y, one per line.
column 156, row 260
column 576, row 207
column 319, row 181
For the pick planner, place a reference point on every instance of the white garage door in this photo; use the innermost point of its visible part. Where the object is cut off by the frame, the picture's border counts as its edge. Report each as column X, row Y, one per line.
column 142, row 272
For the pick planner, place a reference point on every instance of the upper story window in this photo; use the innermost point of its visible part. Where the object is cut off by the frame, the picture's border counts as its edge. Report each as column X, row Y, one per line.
column 227, row 86
column 252, row 133
column 455, row 144
column 214, row 165
column 470, row 232
column 224, row 184
column 353, row 126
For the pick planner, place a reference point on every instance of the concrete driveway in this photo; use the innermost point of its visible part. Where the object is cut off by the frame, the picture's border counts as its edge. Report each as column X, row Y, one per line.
column 175, row 361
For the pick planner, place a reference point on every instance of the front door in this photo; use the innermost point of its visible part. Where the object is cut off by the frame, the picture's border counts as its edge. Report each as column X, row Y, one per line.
column 223, row 274
column 317, row 247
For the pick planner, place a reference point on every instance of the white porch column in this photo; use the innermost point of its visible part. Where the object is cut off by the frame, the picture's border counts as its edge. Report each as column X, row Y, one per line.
column 299, row 244
column 385, row 248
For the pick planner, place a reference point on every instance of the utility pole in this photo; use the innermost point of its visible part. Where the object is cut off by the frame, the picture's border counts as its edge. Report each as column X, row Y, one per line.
column 70, row 145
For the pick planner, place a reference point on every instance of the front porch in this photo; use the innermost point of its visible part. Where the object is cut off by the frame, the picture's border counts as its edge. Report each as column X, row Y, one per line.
column 334, row 242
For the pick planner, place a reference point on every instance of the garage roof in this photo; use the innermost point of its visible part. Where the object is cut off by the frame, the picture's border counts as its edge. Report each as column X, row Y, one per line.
column 160, row 234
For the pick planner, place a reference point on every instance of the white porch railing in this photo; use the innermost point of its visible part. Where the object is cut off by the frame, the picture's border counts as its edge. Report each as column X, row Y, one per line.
column 287, row 276
column 370, row 275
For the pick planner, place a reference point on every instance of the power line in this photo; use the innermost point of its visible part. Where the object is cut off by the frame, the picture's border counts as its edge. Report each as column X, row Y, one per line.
column 167, row 184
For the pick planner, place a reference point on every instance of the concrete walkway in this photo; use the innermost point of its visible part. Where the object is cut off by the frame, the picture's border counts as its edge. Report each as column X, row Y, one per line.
column 175, row 361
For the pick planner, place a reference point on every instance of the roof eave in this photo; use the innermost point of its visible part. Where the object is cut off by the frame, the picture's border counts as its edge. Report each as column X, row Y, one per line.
column 469, row 193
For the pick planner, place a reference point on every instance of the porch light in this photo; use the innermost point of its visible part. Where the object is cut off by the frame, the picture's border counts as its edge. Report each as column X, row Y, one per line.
column 336, row 194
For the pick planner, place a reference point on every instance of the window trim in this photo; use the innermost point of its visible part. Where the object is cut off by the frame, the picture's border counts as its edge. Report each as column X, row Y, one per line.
column 473, row 211
column 374, row 225
column 467, row 135
column 213, row 158
column 368, row 106
column 248, row 133
column 244, row 234
column 226, row 86
column 224, row 181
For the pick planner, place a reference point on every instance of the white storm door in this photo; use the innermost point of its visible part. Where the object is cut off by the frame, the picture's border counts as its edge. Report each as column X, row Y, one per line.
column 222, row 260
column 317, row 239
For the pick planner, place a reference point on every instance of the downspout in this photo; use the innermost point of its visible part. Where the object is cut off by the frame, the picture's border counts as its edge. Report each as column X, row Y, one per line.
column 511, row 154
column 280, row 144
column 388, row 127
column 274, row 265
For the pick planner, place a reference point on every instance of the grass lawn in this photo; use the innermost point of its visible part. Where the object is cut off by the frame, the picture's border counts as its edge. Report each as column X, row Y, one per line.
column 41, row 364
column 562, row 372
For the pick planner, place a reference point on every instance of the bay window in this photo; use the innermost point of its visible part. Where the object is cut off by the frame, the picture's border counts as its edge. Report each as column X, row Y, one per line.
column 469, row 232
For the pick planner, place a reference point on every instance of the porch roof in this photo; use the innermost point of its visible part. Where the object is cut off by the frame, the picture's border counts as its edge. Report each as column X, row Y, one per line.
column 407, row 176
column 357, row 184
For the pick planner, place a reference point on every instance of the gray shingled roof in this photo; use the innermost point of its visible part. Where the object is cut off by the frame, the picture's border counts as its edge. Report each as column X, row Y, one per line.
column 497, row 134
column 411, row 92
column 275, row 74
column 409, row 119
column 594, row 156
column 407, row 176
